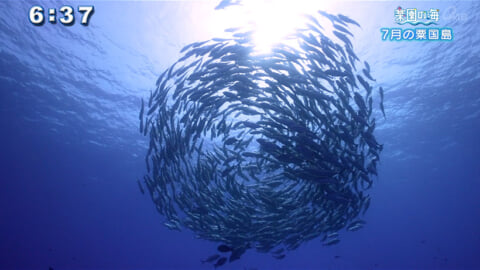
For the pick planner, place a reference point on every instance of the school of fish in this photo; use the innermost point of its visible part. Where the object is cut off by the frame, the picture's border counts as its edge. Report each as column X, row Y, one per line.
column 263, row 151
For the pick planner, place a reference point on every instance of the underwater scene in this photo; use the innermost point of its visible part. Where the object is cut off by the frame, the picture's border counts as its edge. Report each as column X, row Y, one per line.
column 239, row 134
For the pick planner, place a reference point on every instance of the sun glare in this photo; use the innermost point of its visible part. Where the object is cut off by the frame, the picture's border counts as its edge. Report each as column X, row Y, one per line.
column 271, row 20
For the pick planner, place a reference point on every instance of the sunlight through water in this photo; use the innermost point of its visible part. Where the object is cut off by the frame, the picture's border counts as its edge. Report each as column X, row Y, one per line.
column 272, row 21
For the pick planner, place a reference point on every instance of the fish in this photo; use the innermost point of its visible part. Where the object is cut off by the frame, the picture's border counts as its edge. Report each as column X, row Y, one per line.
column 194, row 45
column 279, row 257
column 232, row 29
column 335, row 73
column 142, row 108
column 354, row 228
column 230, row 141
column 342, row 29
column 332, row 242
column 355, row 225
column 224, row 248
column 367, row 66
column 140, row 116
column 279, row 251
column 211, row 258
column 272, row 149
column 381, row 102
column 236, row 254
column 172, row 225
column 360, row 102
column 366, row 205
column 347, row 19
column 331, row 235
column 140, row 187
column 367, row 74
column 220, row 262
column 344, row 38
column 363, row 82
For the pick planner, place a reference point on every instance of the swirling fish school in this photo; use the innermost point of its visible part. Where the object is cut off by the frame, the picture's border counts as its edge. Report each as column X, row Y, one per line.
column 263, row 152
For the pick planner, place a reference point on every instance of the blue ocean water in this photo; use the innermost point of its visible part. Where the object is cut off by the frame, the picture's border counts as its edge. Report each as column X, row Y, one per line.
column 71, row 151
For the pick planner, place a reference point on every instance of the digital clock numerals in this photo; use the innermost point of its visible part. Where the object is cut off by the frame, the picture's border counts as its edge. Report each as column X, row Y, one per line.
column 37, row 17
column 87, row 12
column 51, row 17
column 67, row 18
